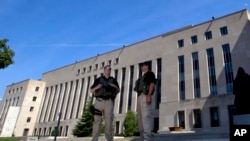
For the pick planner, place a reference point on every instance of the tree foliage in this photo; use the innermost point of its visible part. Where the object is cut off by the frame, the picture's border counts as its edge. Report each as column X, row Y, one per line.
column 83, row 128
column 130, row 124
column 53, row 133
column 6, row 54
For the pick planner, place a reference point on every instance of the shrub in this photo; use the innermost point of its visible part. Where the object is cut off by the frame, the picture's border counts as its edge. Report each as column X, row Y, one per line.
column 130, row 124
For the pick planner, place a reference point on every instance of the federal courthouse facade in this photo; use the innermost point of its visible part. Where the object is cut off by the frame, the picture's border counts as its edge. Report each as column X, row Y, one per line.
column 194, row 66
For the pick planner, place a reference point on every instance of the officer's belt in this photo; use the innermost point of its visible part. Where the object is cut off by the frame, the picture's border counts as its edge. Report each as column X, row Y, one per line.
column 103, row 98
column 141, row 93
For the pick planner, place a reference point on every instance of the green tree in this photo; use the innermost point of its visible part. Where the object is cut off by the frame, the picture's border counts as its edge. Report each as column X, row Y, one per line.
column 130, row 124
column 6, row 54
column 83, row 127
column 53, row 133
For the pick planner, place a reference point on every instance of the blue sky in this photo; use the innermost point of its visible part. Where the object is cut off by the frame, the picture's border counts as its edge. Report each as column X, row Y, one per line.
column 48, row 34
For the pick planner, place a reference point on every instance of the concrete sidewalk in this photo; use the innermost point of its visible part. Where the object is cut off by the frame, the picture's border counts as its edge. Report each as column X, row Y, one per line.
column 158, row 137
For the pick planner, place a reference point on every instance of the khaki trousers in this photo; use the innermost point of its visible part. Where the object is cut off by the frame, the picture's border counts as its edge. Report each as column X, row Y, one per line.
column 107, row 107
column 144, row 117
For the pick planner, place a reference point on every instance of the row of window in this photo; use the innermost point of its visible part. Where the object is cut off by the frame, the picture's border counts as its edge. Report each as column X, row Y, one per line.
column 18, row 90
column 63, row 131
column 211, row 72
column 207, row 35
column 12, row 91
column 9, row 103
column 197, row 118
column 96, row 66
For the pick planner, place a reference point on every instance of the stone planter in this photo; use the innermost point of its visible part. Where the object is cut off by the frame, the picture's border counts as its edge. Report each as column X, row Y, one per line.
column 175, row 128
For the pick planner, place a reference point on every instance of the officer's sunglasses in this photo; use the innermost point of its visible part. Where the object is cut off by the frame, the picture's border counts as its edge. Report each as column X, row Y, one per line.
column 108, row 69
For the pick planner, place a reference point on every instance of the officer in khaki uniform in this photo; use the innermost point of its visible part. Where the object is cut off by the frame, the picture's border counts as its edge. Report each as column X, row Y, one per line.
column 105, row 89
column 144, row 87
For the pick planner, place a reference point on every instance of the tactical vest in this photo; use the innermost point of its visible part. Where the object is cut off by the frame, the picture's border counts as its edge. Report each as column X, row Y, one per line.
column 102, row 92
column 141, row 86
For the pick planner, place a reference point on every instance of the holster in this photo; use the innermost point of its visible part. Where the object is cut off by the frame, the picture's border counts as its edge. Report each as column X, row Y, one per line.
column 95, row 111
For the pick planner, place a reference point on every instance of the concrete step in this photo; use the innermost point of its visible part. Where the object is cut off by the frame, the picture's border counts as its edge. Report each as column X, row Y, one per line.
column 159, row 137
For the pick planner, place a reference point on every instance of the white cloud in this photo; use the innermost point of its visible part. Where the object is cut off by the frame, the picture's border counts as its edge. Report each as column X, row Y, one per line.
column 69, row 45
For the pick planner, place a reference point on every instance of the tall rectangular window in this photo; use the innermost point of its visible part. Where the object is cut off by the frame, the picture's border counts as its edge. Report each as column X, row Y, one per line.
column 66, row 131
column 122, row 89
column 181, row 119
column 57, row 102
column 181, row 78
column 109, row 62
column 116, row 74
column 64, row 95
column 80, row 98
column 90, row 68
column 228, row 67
column 180, row 43
column 60, row 131
column 102, row 64
column 96, row 66
column 86, row 94
column 74, row 97
column 158, row 83
column 130, row 87
column 34, row 98
column 44, row 131
column 50, row 128
column 37, row 89
column 28, row 119
column 34, row 133
column 196, row 75
column 39, row 132
column 223, row 31
column 197, row 118
column 68, row 100
column 31, row 109
column 117, row 126
column 26, row 132
column 211, row 72
column 83, row 70
column 44, row 105
column 208, row 35
column 156, row 125
column 116, row 61
column 214, row 117
column 53, row 103
column 95, row 77
column 194, row 39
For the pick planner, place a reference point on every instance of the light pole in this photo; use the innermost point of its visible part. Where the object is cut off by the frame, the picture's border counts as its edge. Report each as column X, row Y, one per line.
column 58, row 124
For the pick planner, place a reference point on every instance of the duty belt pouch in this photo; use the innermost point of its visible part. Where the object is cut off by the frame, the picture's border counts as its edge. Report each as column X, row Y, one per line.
column 145, row 89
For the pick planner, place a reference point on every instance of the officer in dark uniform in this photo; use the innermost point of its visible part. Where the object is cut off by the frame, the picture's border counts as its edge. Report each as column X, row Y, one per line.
column 144, row 87
column 104, row 89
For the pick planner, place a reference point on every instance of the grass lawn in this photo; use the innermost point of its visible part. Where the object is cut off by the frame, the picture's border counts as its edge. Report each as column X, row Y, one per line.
column 8, row 139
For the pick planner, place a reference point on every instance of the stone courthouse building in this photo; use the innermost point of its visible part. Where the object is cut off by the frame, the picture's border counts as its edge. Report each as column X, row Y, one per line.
column 20, row 107
column 194, row 66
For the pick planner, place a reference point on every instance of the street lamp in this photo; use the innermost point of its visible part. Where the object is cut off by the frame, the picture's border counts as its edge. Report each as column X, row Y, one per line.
column 58, row 124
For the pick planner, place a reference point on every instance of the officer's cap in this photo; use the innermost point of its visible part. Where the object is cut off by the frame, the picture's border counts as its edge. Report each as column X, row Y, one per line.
column 144, row 63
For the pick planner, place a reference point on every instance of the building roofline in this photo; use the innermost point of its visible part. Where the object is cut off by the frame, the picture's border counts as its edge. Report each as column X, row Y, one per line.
column 242, row 10
column 22, row 82
column 161, row 35
column 18, row 82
